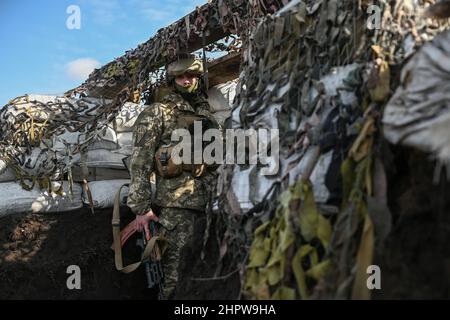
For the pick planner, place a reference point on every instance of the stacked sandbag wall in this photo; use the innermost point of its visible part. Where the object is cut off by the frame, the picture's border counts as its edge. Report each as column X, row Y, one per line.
column 96, row 173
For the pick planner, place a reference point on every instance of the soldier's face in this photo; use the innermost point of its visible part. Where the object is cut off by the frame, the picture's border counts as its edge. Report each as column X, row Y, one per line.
column 186, row 80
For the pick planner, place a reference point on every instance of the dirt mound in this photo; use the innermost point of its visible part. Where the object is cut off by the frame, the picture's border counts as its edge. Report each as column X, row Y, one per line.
column 37, row 249
column 414, row 259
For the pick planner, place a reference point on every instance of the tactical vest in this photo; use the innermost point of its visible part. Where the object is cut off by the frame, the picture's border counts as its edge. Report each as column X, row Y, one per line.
column 165, row 167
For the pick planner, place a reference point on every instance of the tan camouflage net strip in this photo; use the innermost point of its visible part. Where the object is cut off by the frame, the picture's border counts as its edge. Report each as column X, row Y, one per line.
column 284, row 245
column 27, row 125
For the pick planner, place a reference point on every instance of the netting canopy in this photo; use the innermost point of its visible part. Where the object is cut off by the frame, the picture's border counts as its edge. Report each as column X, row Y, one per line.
column 39, row 124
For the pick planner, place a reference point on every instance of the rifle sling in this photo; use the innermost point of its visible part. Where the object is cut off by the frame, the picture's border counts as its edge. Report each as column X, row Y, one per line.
column 151, row 244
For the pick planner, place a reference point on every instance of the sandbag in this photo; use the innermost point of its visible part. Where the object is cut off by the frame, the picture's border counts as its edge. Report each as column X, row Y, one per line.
column 104, row 158
column 104, row 192
column 14, row 199
column 240, row 186
column 222, row 116
column 104, row 164
column 39, row 160
column 125, row 139
column 6, row 174
column 22, row 106
column 106, row 139
column 221, row 96
column 46, row 107
column 418, row 114
column 127, row 116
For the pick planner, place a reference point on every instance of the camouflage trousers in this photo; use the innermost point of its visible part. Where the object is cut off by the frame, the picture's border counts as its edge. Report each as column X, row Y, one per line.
column 177, row 226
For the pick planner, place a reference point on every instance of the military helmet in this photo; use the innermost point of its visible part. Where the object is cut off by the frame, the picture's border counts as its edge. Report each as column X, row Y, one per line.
column 185, row 64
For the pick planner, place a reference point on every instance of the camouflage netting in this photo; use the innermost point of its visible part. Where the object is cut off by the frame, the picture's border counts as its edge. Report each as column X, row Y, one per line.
column 315, row 71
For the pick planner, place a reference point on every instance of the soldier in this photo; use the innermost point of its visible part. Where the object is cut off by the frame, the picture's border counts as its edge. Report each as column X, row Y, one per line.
column 181, row 190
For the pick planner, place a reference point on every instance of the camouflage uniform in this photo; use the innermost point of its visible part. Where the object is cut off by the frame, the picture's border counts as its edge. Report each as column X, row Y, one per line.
column 177, row 201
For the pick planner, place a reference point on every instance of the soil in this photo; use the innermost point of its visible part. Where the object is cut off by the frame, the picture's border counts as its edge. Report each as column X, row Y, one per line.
column 415, row 258
column 36, row 250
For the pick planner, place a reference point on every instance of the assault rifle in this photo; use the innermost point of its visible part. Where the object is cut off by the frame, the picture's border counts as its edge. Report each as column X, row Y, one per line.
column 152, row 265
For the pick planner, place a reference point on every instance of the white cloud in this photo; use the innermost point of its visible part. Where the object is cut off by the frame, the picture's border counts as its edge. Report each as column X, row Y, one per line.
column 166, row 12
column 80, row 69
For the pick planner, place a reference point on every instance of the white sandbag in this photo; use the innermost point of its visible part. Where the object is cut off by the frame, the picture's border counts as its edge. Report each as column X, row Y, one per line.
column 105, row 139
column 125, row 139
column 7, row 176
column 28, row 101
column 221, row 96
column 105, row 158
column 222, row 116
column 3, row 166
column 39, row 161
column 104, row 192
column 418, row 114
column 22, row 106
column 15, row 199
column 47, row 108
column 127, row 116
column 250, row 186
column 241, row 187
column 41, row 98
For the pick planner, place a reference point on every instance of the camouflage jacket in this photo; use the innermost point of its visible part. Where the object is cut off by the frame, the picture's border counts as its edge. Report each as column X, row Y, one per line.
column 153, row 128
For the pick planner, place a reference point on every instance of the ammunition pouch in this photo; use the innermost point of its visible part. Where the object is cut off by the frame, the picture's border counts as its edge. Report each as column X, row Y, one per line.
column 197, row 170
column 164, row 164
column 167, row 169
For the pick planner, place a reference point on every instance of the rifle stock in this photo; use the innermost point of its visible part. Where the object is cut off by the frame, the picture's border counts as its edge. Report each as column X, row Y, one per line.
column 152, row 266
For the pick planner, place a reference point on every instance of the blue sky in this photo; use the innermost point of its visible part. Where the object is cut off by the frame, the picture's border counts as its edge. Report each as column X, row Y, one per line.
column 39, row 54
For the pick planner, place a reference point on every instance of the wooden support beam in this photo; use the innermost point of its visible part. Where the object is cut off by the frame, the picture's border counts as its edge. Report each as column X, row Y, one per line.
column 194, row 42
column 224, row 69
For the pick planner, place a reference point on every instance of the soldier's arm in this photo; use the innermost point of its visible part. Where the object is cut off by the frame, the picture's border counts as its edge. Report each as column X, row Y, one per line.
column 146, row 134
column 205, row 110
